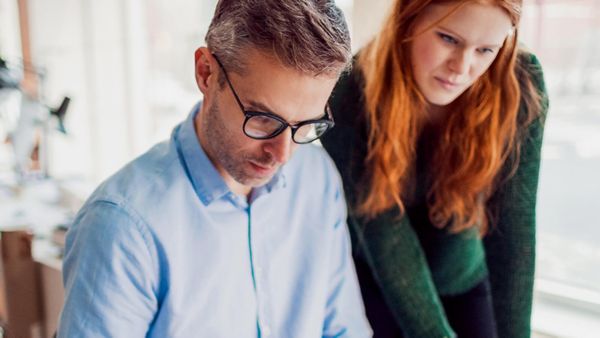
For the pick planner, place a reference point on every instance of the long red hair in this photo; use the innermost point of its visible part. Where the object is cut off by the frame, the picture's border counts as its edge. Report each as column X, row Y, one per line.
column 474, row 144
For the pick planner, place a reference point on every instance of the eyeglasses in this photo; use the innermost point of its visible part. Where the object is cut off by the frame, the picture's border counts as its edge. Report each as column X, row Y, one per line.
column 262, row 126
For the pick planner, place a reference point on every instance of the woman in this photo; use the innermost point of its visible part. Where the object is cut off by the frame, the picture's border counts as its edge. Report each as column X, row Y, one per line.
column 438, row 135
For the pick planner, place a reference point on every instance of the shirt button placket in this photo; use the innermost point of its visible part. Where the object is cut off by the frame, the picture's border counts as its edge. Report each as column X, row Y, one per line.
column 262, row 301
column 260, row 279
column 266, row 330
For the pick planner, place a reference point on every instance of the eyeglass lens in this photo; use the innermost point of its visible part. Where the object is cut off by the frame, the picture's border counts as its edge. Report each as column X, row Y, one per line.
column 264, row 126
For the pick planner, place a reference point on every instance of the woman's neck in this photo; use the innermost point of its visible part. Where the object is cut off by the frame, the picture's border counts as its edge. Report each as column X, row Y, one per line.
column 436, row 116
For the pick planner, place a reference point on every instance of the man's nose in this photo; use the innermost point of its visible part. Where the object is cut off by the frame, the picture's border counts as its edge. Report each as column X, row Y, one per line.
column 461, row 60
column 281, row 146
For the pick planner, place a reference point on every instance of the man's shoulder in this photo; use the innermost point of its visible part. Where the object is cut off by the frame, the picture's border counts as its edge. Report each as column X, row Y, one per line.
column 311, row 158
column 311, row 166
column 139, row 183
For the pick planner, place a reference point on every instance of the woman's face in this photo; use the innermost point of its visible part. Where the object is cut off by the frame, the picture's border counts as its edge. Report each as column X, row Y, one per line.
column 448, row 56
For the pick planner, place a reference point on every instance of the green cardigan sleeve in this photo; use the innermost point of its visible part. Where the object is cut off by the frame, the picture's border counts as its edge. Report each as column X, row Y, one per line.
column 407, row 285
column 510, row 246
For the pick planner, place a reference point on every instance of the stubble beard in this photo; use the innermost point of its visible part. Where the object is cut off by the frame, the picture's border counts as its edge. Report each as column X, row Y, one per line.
column 224, row 145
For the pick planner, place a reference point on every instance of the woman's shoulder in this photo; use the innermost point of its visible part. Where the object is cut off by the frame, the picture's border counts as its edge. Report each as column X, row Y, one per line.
column 534, row 96
column 347, row 98
column 353, row 76
column 528, row 58
column 529, row 68
column 346, row 142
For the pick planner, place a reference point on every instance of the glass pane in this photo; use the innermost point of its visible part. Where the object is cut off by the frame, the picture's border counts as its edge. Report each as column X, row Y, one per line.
column 566, row 36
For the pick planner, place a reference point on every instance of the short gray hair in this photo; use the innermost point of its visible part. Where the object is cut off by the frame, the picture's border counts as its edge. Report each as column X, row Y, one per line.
column 310, row 36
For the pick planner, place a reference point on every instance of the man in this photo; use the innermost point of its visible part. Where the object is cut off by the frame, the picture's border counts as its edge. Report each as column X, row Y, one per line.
column 221, row 232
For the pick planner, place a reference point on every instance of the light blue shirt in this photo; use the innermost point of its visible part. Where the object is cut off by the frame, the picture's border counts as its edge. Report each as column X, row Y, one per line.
column 164, row 249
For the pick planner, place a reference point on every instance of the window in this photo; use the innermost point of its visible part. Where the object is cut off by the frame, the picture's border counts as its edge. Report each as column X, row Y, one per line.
column 566, row 37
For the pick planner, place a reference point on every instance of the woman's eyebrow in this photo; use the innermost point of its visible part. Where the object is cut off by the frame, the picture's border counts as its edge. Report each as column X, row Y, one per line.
column 454, row 34
column 462, row 39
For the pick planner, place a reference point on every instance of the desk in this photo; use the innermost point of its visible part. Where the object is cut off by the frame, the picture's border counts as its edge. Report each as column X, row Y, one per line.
column 31, row 291
column 32, row 287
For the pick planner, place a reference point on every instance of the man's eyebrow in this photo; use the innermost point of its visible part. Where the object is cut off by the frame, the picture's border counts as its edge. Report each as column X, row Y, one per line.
column 461, row 39
column 255, row 105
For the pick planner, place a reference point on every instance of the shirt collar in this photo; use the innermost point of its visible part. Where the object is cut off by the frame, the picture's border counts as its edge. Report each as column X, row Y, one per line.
column 207, row 181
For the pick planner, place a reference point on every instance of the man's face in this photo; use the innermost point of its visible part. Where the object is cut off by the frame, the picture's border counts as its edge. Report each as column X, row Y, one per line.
column 265, row 86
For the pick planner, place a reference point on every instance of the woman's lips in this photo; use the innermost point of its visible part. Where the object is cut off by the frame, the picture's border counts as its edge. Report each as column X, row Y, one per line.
column 446, row 84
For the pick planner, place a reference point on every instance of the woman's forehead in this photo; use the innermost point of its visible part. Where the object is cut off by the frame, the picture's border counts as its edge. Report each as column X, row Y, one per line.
column 476, row 23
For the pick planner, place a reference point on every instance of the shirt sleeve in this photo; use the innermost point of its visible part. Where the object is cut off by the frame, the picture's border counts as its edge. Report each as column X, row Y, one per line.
column 345, row 314
column 510, row 246
column 109, row 274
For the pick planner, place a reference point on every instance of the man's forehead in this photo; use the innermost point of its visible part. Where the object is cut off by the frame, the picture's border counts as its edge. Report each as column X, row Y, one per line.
column 256, row 59
column 268, row 86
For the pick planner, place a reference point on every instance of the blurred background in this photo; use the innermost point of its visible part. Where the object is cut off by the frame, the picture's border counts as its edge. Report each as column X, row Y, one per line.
column 88, row 85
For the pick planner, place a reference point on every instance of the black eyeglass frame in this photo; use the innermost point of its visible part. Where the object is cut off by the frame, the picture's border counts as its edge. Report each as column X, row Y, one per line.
column 328, row 117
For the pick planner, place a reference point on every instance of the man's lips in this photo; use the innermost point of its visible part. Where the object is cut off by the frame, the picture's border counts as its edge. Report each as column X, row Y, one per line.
column 261, row 168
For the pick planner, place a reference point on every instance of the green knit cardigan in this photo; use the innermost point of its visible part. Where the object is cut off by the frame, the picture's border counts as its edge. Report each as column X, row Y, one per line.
column 414, row 263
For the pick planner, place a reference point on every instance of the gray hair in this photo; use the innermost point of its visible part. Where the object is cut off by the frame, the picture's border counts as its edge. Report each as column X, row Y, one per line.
column 310, row 36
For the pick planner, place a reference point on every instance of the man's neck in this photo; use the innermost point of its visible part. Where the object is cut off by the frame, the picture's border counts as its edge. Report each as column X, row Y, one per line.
column 236, row 187
column 233, row 185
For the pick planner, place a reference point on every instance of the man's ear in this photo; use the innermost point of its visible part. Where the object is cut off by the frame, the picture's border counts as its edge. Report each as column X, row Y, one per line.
column 204, row 68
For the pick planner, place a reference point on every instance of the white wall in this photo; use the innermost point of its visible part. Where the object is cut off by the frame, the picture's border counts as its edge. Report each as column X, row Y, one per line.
column 128, row 66
column 86, row 48
column 10, row 42
column 367, row 15
column 117, row 59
